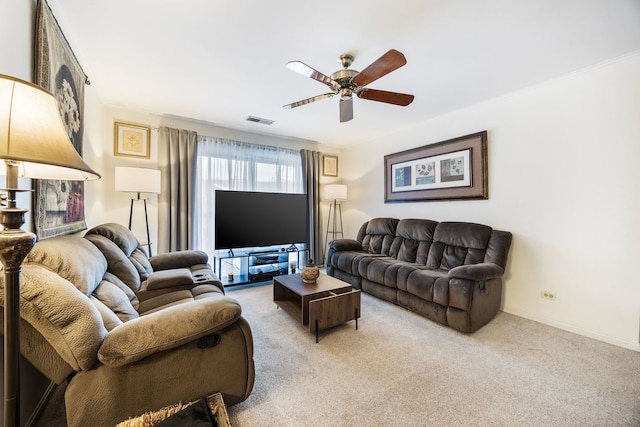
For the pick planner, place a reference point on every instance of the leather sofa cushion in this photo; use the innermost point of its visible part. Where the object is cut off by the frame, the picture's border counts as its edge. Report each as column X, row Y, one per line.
column 59, row 312
column 380, row 233
column 118, row 263
column 387, row 271
column 380, row 270
column 168, row 299
column 350, row 261
column 124, row 239
column 498, row 249
column 456, row 243
column 113, row 296
column 429, row 285
column 72, row 258
column 140, row 261
column 118, row 234
column 413, row 240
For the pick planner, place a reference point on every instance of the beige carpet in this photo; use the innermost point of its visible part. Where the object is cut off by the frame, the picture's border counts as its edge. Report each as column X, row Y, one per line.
column 400, row 369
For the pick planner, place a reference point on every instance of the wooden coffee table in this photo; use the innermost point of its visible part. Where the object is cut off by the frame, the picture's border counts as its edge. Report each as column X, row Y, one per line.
column 326, row 303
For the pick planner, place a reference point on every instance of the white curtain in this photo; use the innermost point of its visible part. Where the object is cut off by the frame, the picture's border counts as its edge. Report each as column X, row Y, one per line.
column 232, row 165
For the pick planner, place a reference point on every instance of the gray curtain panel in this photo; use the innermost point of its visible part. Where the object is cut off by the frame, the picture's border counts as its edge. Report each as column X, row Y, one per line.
column 177, row 161
column 311, row 163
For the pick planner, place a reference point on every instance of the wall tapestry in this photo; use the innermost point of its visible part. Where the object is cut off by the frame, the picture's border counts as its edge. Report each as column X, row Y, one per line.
column 453, row 169
column 59, row 205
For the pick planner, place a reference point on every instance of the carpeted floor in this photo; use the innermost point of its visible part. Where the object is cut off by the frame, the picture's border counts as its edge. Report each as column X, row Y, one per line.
column 400, row 369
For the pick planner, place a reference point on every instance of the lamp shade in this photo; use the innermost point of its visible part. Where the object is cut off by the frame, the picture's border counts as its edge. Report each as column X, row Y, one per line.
column 137, row 180
column 33, row 137
column 335, row 192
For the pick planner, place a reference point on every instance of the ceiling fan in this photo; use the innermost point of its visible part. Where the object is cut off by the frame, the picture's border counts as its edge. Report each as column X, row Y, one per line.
column 347, row 82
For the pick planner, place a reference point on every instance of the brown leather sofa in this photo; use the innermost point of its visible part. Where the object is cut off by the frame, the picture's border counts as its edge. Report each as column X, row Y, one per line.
column 449, row 272
column 130, row 334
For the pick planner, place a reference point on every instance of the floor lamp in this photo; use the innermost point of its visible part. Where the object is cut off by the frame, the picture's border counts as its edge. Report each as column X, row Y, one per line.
column 33, row 144
column 138, row 180
column 335, row 193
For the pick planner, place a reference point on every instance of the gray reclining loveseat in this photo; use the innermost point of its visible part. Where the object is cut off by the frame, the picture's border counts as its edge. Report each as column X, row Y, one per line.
column 449, row 272
column 126, row 333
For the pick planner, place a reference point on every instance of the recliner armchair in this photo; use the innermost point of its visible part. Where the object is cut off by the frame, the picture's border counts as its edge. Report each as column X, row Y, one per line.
column 124, row 350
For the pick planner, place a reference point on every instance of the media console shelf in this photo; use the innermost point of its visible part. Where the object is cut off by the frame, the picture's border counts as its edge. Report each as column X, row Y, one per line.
column 249, row 265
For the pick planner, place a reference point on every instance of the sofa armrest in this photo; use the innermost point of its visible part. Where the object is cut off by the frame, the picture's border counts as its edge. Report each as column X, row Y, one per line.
column 178, row 259
column 345, row 245
column 163, row 279
column 341, row 245
column 478, row 272
column 166, row 329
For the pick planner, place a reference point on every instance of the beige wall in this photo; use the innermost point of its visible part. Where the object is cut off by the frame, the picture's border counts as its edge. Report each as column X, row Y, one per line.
column 562, row 178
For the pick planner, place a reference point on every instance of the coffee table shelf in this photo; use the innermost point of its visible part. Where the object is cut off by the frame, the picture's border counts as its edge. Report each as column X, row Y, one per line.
column 291, row 306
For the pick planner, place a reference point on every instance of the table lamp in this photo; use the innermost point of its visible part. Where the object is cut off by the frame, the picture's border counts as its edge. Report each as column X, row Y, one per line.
column 33, row 144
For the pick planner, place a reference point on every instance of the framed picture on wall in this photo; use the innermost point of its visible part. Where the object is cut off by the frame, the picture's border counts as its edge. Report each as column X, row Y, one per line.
column 131, row 141
column 330, row 165
column 449, row 170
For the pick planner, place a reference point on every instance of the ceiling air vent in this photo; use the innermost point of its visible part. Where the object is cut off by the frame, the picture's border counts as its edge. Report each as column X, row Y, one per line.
column 259, row 120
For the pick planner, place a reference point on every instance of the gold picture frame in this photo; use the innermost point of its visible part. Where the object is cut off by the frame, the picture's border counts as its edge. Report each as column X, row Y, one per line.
column 329, row 165
column 131, row 140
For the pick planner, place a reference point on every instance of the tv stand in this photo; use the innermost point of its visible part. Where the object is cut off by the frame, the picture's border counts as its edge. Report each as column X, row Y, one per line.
column 239, row 266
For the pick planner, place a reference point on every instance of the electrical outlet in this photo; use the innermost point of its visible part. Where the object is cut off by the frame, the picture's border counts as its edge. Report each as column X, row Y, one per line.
column 548, row 295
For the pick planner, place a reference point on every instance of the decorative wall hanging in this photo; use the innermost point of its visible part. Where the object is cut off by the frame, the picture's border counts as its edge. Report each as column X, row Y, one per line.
column 452, row 169
column 131, row 141
column 59, row 205
column 329, row 165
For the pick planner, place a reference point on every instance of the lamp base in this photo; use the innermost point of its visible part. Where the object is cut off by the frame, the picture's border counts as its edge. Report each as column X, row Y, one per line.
column 15, row 244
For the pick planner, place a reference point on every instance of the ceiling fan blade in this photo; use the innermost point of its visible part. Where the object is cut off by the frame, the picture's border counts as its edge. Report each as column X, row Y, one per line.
column 305, row 70
column 396, row 98
column 392, row 60
column 309, row 100
column 346, row 110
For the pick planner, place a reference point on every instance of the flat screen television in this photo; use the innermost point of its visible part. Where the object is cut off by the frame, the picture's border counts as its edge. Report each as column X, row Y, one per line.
column 246, row 219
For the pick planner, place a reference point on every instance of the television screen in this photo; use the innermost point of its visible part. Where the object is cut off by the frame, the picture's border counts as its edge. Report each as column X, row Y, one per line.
column 248, row 219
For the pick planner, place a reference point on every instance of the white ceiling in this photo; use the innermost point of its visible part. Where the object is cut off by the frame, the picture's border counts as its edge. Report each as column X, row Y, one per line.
column 220, row 61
